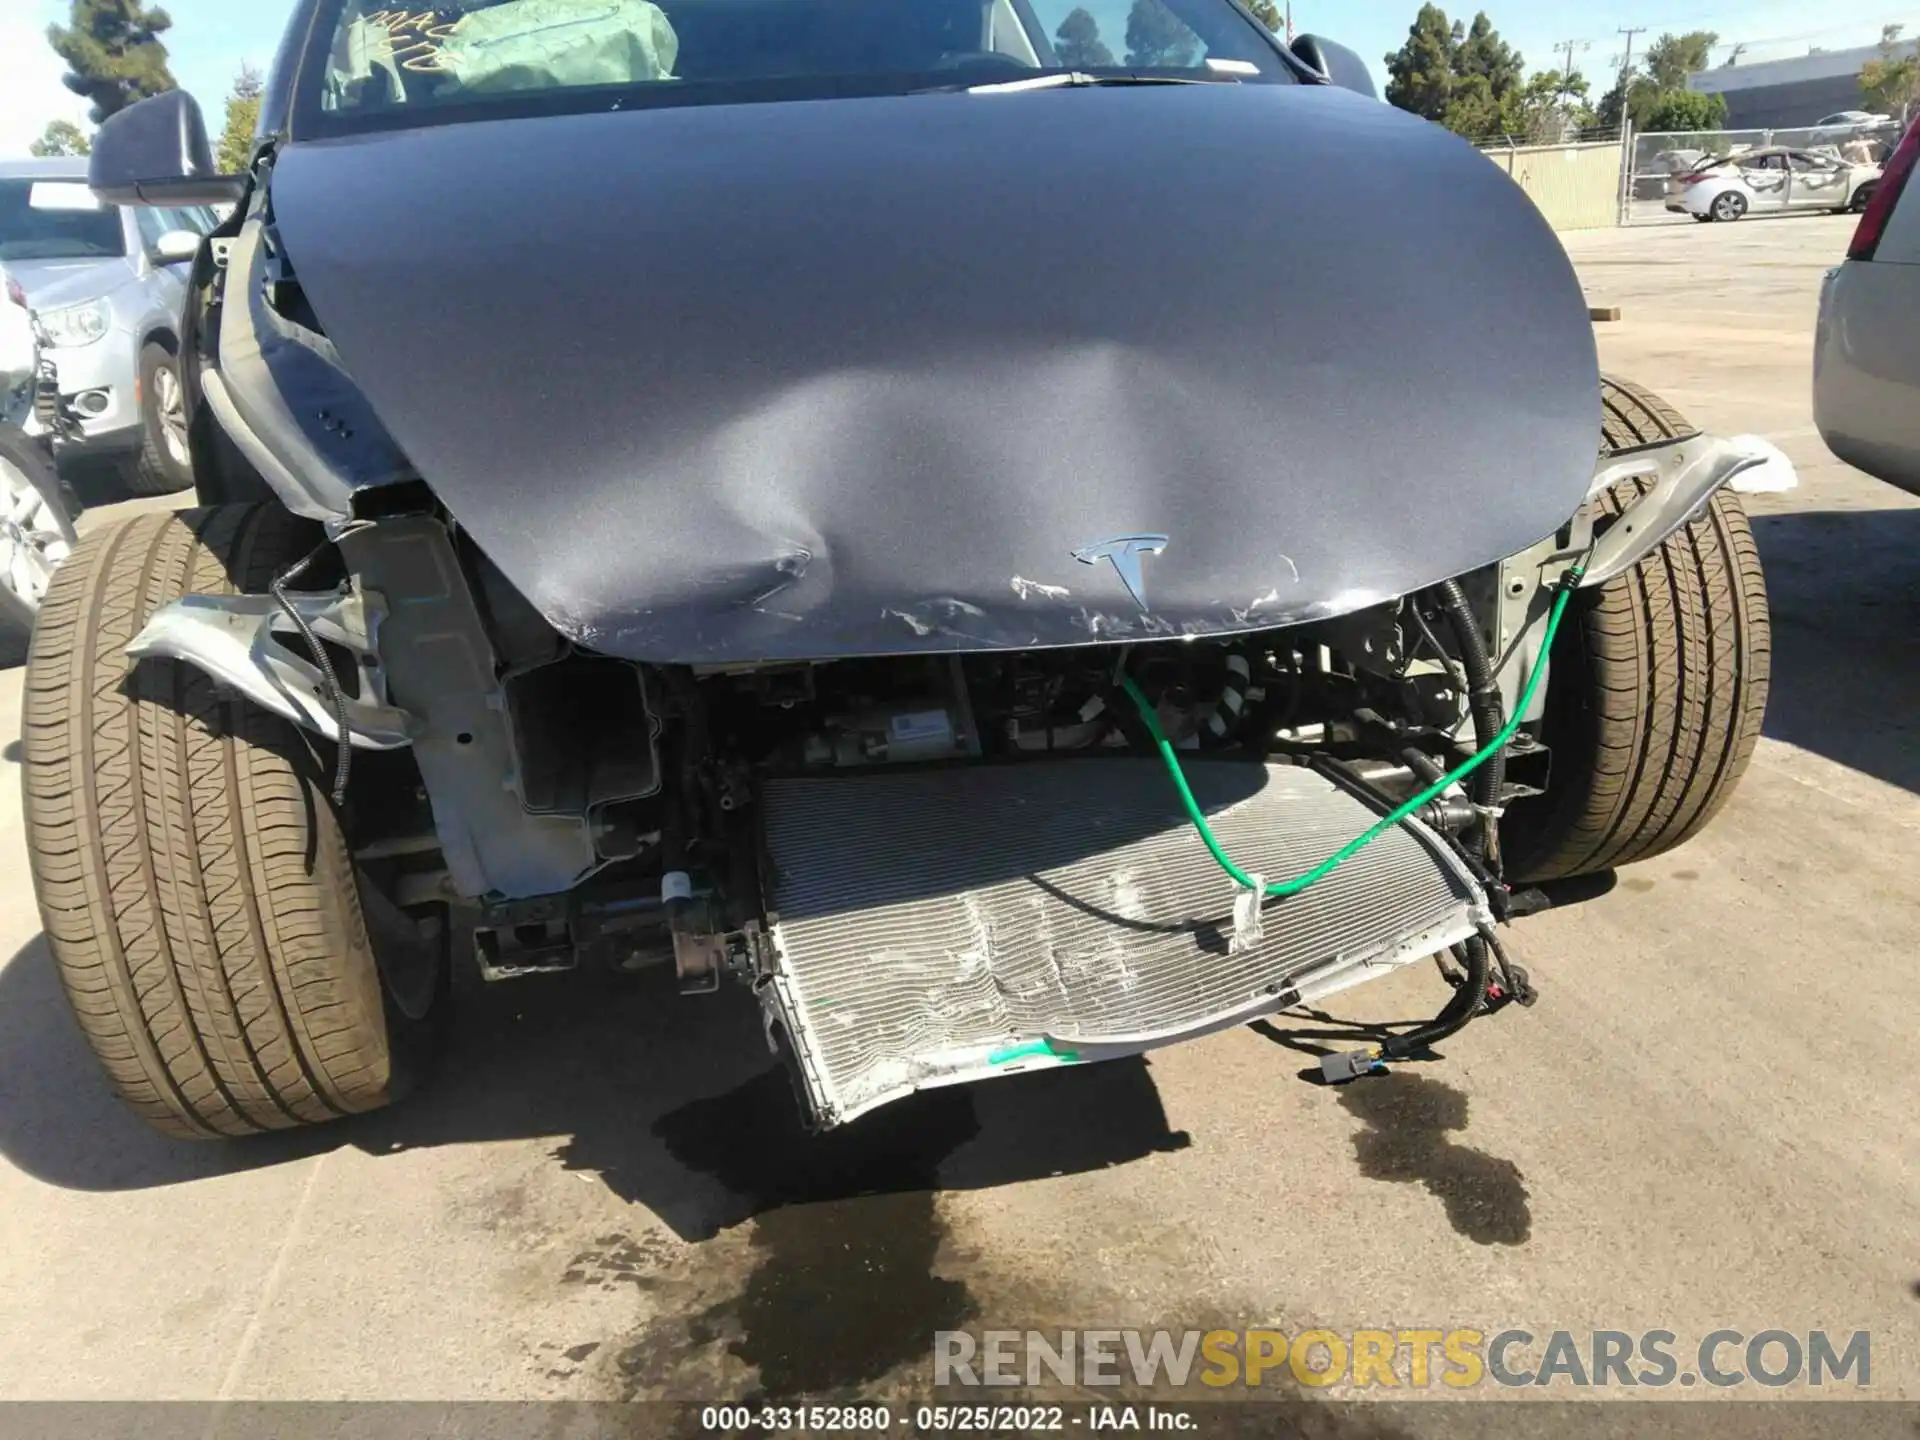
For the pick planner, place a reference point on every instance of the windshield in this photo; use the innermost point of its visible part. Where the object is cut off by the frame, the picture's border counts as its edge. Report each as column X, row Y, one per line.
column 56, row 220
column 467, row 59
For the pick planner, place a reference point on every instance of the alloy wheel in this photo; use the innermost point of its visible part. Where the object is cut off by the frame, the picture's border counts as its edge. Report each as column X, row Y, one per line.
column 32, row 542
column 171, row 407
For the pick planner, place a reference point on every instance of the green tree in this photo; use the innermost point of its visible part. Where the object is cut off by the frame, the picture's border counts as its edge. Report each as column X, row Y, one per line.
column 1686, row 110
column 62, row 137
column 1268, row 14
column 1158, row 37
column 1645, row 97
column 1474, row 83
column 1552, row 105
column 1613, row 104
column 1672, row 58
column 1485, row 55
column 1420, row 74
column 1485, row 101
column 1473, row 110
column 113, row 52
column 1566, row 88
column 243, row 118
column 1891, row 84
column 1077, row 42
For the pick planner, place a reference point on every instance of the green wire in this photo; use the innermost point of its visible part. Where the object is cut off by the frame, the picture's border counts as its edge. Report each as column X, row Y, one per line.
column 1433, row 792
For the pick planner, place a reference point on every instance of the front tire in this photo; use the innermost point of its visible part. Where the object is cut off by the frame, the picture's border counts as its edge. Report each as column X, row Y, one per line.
column 196, row 889
column 164, row 463
column 1658, row 684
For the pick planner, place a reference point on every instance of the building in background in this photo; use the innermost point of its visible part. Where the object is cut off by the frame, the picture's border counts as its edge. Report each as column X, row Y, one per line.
column 1778, row 94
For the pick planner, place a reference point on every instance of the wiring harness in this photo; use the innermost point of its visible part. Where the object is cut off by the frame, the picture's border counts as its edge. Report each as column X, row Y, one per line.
column 1478, row 953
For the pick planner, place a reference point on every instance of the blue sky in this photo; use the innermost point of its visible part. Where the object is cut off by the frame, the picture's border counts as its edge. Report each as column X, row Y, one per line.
column 210, row 39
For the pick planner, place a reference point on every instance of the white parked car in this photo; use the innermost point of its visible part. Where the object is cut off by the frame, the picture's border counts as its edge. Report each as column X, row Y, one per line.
column 1851, row 122
column 1730, row 187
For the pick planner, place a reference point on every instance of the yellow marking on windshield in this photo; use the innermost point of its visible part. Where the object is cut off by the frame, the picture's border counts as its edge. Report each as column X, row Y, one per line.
column 414, row 36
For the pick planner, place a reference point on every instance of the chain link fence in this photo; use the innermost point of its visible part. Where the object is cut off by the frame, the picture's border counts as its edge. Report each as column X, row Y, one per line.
column 1660, row 159
column 1548, row 137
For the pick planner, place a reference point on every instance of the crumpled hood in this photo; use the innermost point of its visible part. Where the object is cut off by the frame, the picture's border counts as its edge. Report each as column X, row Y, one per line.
column 727, row 383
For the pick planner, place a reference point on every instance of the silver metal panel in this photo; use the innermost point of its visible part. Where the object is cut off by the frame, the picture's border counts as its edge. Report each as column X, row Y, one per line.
column 232, row 638
column 440, row 668
column 1866, row 367
column 1684, row 474
column 939, row 926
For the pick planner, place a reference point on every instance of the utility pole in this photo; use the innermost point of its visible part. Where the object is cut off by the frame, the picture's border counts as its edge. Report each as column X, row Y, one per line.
column 1566, row 70
column 1626, row 62
column 1627, row 152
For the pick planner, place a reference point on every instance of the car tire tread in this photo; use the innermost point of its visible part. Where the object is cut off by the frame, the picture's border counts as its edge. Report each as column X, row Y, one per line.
column 193, row 880
column 1670, row 665
column 151, row 471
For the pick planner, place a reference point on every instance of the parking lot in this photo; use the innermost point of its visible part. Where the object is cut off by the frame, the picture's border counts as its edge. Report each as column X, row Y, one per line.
column 1708, row 1122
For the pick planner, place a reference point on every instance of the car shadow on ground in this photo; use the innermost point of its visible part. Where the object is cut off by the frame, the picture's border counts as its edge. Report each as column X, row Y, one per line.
column 1844, row 588
column 673, row 1102
column 93, row 483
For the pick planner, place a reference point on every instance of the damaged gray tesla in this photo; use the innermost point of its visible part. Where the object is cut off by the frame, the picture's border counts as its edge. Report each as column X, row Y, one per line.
column 1019, row 533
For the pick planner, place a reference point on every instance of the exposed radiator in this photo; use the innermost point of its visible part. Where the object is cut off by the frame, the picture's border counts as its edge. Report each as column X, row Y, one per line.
column 939, row 926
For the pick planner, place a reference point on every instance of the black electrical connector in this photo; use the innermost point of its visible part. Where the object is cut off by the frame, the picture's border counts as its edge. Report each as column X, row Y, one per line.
column 1475, row 958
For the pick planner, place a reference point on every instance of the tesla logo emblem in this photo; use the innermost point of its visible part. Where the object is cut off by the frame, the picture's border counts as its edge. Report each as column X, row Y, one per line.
column 1125, row 552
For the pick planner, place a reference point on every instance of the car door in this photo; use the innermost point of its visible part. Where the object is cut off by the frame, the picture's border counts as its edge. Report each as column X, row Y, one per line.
column 1767, row 177
column 1817, row 182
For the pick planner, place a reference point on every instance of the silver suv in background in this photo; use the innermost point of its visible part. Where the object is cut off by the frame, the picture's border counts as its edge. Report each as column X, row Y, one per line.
column 108, row 284
column 1866, row 363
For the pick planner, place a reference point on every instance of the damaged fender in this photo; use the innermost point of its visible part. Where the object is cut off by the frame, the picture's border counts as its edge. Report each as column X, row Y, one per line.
column 1686, row 475
column 249, row 644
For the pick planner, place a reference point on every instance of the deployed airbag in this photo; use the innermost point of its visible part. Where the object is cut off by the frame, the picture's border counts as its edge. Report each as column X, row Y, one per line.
column 544, row 44
column 521, row 45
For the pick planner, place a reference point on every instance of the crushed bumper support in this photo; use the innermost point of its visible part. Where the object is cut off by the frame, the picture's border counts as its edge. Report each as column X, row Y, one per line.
column 1684, row 476
column 248, row 642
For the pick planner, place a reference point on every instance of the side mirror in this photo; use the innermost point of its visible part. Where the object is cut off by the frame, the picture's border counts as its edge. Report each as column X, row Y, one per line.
column 156, row 153
column 1337, row 63
column 174, row 246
